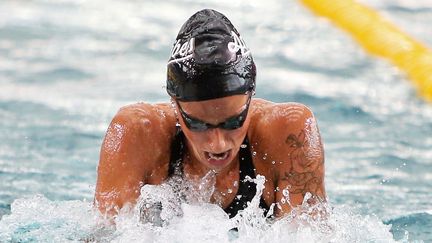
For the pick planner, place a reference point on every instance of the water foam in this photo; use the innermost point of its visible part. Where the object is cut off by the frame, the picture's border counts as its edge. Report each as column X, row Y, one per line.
column 185, row 217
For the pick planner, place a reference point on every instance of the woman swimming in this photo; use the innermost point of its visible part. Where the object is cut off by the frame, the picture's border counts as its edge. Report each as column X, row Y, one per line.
column 213, row 124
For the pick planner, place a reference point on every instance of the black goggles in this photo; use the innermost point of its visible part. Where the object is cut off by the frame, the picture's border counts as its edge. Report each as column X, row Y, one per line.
column 231, row 123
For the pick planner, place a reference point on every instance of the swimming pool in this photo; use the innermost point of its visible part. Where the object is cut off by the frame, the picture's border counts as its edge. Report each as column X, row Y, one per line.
column 67, row 66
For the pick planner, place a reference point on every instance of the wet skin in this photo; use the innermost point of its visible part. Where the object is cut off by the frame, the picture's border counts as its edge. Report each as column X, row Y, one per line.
column 284, row 139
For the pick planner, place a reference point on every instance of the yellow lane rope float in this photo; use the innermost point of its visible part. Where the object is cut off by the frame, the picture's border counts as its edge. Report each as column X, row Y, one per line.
column 380, row 37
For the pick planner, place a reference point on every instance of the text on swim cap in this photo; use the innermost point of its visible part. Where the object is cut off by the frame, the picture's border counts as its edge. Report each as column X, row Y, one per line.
column 183, row 51
column 238, row 44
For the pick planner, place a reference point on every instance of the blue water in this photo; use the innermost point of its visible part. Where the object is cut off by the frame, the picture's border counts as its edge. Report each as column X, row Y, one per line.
column 67, row 66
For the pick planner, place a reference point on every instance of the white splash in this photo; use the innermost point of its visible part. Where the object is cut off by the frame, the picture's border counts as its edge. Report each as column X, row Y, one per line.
column 41, row 220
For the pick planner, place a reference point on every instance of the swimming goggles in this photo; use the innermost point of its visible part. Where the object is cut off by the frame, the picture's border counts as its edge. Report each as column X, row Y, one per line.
column 231, row 123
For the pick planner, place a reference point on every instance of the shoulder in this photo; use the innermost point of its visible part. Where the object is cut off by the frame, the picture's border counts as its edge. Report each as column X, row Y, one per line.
column 145, row 113
column 268, row 116
column 139, row 134
column 285, row 129
column 144, row 118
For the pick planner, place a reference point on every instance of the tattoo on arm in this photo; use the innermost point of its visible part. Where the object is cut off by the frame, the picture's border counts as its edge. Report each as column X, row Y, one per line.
column 306, row 156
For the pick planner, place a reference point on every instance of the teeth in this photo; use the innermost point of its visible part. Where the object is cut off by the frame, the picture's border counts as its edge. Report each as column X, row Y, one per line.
column 218, row 157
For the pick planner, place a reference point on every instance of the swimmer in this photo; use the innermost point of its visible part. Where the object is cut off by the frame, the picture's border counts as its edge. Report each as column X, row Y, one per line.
column 213, row 123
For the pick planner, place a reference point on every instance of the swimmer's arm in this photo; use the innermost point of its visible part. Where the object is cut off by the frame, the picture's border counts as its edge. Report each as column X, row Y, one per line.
column 302, row 173
column 122, row 165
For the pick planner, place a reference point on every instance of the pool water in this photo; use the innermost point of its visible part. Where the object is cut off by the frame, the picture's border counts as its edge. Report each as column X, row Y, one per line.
column 67, row 66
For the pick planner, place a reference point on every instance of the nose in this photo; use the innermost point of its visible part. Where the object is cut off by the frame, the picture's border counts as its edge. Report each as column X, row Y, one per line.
column 217, row 141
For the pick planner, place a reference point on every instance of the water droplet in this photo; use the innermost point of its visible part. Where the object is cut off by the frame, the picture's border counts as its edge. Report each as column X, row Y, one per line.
column 278, row 205
column 285, row 192
column 283, row 201
column 243, row 146
column 273, row 162
column 239, row 196
column 277, row 189
column 254, row 153
column 230, row 190
column 235, row 183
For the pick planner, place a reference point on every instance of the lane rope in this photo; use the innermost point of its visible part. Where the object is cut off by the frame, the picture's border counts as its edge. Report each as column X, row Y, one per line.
column 380, row 37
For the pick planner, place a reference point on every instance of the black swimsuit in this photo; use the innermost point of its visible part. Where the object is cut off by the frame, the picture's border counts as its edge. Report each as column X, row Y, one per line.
column 246, row 190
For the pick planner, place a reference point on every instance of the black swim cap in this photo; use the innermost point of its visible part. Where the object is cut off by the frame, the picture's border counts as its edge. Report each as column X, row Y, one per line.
column 209, row 60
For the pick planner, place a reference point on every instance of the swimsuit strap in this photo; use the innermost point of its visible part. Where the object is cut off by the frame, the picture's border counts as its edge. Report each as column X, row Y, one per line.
column 175, row 166
column 247, row 188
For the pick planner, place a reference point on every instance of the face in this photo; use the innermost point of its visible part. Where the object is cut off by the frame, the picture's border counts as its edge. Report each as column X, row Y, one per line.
column 213, row 131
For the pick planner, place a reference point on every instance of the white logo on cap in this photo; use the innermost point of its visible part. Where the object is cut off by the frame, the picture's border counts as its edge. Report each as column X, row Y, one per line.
column 181, row 52
column 238, row 44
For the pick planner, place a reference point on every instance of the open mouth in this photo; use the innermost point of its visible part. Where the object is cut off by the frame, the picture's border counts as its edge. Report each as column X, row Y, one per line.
column 217, row 158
